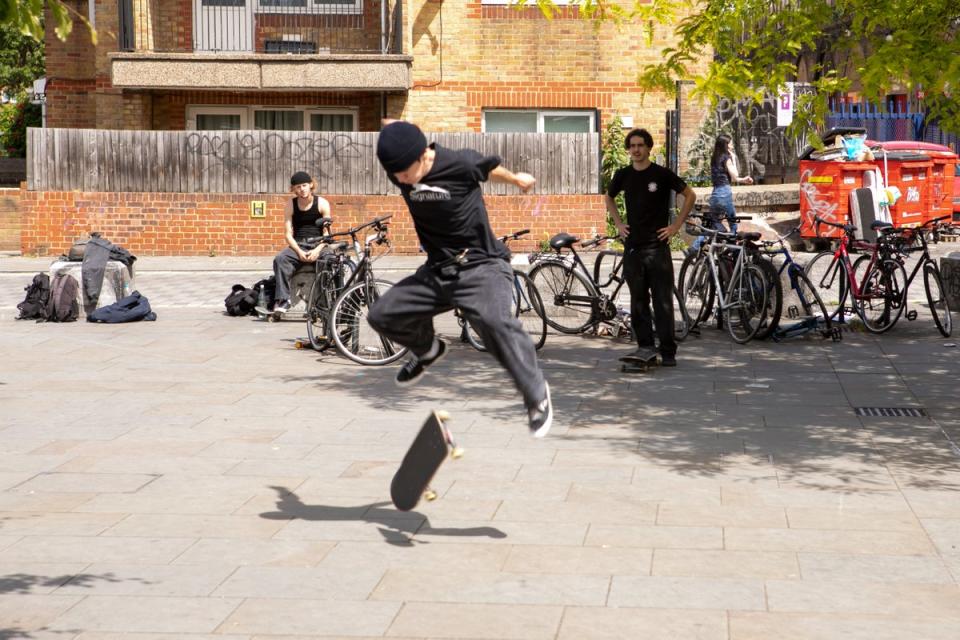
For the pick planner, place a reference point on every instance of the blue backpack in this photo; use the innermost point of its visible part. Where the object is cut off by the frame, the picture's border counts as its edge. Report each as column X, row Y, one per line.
column 130, row 309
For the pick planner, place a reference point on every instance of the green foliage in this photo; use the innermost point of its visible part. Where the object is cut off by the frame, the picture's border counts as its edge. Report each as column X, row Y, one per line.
column 14, row 120
column 26, row 16
column 21, row 60
column 615, row 156
column 741, row 49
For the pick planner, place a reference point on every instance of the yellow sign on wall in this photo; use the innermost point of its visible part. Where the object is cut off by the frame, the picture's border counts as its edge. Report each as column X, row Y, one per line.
column 258, row 208
column 820, row 179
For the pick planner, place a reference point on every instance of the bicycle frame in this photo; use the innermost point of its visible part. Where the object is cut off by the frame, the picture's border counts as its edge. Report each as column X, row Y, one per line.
column 842, row 256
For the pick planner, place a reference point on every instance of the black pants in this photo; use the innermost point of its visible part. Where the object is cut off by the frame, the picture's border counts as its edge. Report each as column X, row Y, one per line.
column 649, row 275
column 483, row 292
column 286, row 264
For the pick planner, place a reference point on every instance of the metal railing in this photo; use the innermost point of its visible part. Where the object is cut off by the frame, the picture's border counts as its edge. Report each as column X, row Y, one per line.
column 261, row 26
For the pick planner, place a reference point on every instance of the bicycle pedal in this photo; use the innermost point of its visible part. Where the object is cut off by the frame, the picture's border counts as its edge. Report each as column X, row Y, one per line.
column 911, row 315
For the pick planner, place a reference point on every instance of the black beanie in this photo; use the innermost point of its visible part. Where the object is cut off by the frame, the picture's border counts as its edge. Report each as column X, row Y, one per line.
column 400, row 145
column 300, row 177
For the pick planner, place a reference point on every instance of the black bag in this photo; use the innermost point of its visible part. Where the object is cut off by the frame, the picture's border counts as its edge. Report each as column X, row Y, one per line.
column 241, row 301
column 130, row 309
column 63, row 305
column 34, row 305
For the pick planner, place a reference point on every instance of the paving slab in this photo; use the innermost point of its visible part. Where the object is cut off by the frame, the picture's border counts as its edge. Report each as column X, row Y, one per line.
column 199, row 477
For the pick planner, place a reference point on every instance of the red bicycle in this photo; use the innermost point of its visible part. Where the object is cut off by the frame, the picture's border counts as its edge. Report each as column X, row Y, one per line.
column 876, row 283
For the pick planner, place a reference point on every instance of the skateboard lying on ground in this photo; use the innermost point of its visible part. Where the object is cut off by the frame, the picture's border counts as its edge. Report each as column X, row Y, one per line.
column 268, row 314
column 429, row 449
column 639, row 363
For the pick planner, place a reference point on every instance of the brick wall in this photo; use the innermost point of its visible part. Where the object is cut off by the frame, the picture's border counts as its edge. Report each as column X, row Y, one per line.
column 204, row 224
column 10, row 220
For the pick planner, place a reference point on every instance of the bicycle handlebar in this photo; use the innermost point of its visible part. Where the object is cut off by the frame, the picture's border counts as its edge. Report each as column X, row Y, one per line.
column 514, row 235
column 586, row 244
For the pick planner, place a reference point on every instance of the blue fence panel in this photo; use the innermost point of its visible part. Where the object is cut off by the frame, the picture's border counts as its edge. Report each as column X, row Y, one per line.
column 897, row 124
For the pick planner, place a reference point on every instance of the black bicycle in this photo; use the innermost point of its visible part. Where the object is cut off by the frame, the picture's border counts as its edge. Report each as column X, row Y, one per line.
column 576, row 300
column 345, row 323
column 527, row 306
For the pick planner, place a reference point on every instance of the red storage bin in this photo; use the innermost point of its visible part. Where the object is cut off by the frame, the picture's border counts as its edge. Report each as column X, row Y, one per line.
column 912, row 174
column 825, row 187
column 941, row 185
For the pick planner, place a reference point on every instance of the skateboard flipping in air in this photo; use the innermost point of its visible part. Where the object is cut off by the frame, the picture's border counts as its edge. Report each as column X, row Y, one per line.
column 429, row 449
column 639, row 362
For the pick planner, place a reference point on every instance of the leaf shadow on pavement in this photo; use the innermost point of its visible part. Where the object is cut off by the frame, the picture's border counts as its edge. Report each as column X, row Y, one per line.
column 781, row 413
column 397, row 527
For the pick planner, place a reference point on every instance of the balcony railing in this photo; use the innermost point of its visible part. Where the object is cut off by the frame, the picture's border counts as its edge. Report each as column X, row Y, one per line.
column 261, row 26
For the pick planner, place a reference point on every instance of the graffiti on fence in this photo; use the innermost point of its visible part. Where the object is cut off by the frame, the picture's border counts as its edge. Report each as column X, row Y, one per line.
column 236, row 152
column 764, row 199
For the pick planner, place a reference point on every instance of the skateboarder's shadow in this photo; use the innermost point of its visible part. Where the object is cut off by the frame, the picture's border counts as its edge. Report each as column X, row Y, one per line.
column 396, row 527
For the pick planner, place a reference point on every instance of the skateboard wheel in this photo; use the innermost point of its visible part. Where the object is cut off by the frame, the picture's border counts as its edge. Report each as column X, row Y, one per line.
column 456, row 453
column 298, row 344
column 430, row 495
column 443, row 416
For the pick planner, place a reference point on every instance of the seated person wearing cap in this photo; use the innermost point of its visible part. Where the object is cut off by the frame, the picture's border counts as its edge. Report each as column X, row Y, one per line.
column 304, row 226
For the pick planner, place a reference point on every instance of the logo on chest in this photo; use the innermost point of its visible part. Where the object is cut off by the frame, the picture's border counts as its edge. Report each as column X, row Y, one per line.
column 427, row 193
column 652, row 187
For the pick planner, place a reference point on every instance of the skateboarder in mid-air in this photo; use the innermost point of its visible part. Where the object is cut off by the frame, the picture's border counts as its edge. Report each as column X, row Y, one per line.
column 466, row 268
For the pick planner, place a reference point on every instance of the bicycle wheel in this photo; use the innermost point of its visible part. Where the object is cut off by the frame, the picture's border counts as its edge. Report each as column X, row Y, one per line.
column 883, row 294
column 318, row 311
column 830, row 280
column 696, row 288
column 352, row 334
column 568, row 296
column 681, row 319
column 771, row 317
column 802, row 301
column 939, row 307
column 747, row 300
column 527, row 307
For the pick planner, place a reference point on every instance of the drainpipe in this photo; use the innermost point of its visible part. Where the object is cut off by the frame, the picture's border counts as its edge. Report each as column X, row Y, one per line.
column 383, row 26
column 92, row 13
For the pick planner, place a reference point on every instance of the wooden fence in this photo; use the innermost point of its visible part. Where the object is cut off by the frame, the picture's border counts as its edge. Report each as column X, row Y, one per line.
column 263, row 161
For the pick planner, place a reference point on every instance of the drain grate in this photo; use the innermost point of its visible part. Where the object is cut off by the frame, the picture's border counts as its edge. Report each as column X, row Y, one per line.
column 891, row 412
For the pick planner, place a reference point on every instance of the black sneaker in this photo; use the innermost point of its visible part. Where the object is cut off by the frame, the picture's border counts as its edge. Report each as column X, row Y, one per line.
column 413, row 368
column 541, row 416
column 668, row 360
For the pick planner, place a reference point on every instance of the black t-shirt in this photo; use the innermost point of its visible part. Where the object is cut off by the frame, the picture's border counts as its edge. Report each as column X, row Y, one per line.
column 307, row 223
column 447, row 206
column 719, row 176
column 647, row 196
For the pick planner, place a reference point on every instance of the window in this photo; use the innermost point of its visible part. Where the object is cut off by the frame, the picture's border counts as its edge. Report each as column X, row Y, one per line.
column 532, row 121
column 310, row 6
column 202, row 118
column 216, row 118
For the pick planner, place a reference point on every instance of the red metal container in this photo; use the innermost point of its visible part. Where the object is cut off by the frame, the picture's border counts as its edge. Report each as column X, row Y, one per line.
column 825, row 188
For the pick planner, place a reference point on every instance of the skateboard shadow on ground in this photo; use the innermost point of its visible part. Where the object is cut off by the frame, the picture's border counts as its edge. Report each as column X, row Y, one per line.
column 396, row 527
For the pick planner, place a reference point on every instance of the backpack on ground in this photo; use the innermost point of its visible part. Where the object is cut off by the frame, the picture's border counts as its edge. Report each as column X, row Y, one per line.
column 63, row 305
column 34, row 305
column 241, row 301
column 132, row 308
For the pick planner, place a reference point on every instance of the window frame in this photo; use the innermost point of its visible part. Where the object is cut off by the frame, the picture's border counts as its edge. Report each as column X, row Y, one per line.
column 349, row 7
column 247, row 117
column 590, row 113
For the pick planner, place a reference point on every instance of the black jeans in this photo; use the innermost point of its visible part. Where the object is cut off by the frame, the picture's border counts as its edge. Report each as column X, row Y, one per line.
column 649, row 275
column 483, row 291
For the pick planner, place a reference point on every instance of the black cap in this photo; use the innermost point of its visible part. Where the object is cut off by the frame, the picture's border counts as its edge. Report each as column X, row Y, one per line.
column 300, row 177
column 400, row 145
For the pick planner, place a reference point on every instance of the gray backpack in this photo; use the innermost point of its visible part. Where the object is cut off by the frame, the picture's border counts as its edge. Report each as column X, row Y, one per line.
column 62, row 305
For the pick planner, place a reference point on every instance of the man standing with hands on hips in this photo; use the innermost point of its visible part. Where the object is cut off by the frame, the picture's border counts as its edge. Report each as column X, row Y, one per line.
column 647, row 263
column 467, row 267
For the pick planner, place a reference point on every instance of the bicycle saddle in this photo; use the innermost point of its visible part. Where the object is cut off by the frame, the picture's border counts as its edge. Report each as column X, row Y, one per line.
column 749, row 235
column 876, row 225
column 563, row 241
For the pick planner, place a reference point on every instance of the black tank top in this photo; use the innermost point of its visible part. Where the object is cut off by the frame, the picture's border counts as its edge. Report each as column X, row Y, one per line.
column 306, row 224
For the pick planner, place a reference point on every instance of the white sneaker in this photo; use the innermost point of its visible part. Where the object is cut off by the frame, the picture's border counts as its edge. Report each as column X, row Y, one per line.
column 541, row 416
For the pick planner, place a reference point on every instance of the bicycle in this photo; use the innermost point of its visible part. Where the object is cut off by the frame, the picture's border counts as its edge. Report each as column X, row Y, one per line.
column 908, row 240
column 348, row 328
column 802, row 302
column 574, row 300
column 527, row 306
column 879, row 295
column 726, row 273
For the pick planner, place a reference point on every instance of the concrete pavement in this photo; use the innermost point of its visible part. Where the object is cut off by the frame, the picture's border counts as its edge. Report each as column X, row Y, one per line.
column 198, row 478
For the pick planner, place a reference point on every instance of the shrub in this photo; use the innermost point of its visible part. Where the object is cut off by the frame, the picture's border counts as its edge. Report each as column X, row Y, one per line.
column 15, row 117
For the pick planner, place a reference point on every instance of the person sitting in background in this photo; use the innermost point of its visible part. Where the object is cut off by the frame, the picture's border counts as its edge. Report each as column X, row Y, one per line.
column 306, row 217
